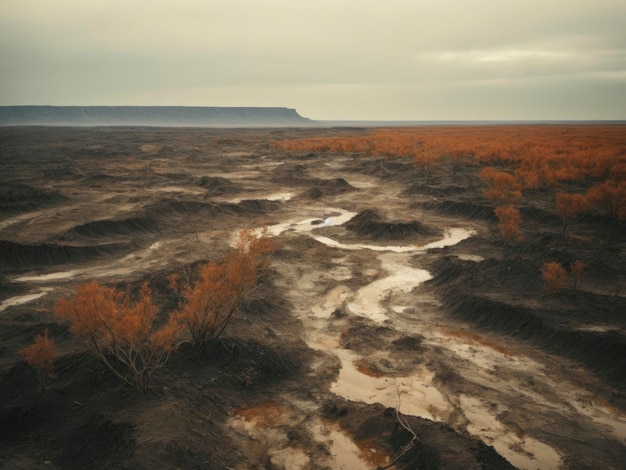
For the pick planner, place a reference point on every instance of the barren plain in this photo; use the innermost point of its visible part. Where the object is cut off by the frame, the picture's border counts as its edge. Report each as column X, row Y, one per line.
column 395, row 327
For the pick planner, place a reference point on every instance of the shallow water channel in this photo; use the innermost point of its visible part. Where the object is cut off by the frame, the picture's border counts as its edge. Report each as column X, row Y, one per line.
column 386, row 301
column 497, row 383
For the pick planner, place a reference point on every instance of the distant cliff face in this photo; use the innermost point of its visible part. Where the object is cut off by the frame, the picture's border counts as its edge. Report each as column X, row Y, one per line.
column 165, row 116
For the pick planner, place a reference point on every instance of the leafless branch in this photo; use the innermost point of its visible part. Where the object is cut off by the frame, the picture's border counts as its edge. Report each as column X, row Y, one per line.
column 404, row 423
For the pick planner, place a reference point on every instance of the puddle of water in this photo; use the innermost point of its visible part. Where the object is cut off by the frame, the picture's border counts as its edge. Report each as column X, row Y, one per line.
column 370, row 452
column 362, row 246
column 344, row 452
column 338, row 217
column 362, row 184
column 269, row 424
column 58, row 276
column 522, row 451
column 367, row 302
column 474, row 258
column 177, row 189
column 415, row 394
column 451, row 237
column 264, row 424
column 282, row 196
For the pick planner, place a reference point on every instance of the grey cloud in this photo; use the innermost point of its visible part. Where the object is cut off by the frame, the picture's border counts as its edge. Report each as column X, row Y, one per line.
column 363, row 59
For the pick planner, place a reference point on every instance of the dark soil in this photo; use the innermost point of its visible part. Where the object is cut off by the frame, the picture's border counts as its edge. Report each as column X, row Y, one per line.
column 126, row 205
column 370, row 223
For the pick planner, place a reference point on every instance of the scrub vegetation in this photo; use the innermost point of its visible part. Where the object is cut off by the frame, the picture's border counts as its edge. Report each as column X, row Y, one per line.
column 420, row 298
column 530, row 158
column 120, row 331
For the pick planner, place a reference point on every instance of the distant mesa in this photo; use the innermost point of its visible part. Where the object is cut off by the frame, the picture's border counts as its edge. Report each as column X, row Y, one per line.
column 158, row 116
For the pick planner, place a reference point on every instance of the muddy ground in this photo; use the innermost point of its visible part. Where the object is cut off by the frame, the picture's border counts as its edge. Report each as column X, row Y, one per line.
column 394, row 328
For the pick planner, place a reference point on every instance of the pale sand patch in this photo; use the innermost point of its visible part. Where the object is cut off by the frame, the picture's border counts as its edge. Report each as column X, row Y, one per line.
column 22, row 299
column 523, row 451
column 414, row 395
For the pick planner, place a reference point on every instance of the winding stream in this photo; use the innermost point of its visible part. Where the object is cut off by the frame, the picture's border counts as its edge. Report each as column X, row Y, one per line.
column 497, row 378
column 415, row 393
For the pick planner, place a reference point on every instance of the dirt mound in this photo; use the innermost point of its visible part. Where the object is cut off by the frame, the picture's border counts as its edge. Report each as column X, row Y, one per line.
column 362, row 337
column 107, row 228
column 468, row 210
column 15, row 198
column 313, row 193
column 100, row 443
column 407, row 343
column 435, row 191
column 334, row 185
column 242, row 364
column 167, row 207
column 217, row 186
column 462, row 285
column 519, row 273
column 426, row 445
column 327, row 188
column 370, row 223
column 18, row 255
column 602, row 352
column 383, row 168
column 297, row 176
column 290, row 172
column 258, row 206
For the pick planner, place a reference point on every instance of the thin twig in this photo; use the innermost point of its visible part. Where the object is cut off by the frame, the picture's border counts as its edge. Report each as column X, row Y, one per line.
column 403, row 422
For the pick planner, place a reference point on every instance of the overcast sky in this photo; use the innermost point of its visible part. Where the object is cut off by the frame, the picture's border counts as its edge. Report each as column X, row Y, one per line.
column 329, row 59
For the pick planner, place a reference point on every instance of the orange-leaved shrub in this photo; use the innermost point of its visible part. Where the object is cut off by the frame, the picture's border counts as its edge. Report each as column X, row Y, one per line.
column 502, row 187
column 569, row 206
column 41, row 355
column 611, row 195
column 207, row 305
column 554, row 277
column 119, row 329
column 509, row 219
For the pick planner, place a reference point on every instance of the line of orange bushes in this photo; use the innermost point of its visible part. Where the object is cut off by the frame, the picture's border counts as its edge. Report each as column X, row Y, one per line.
column 539, row 156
